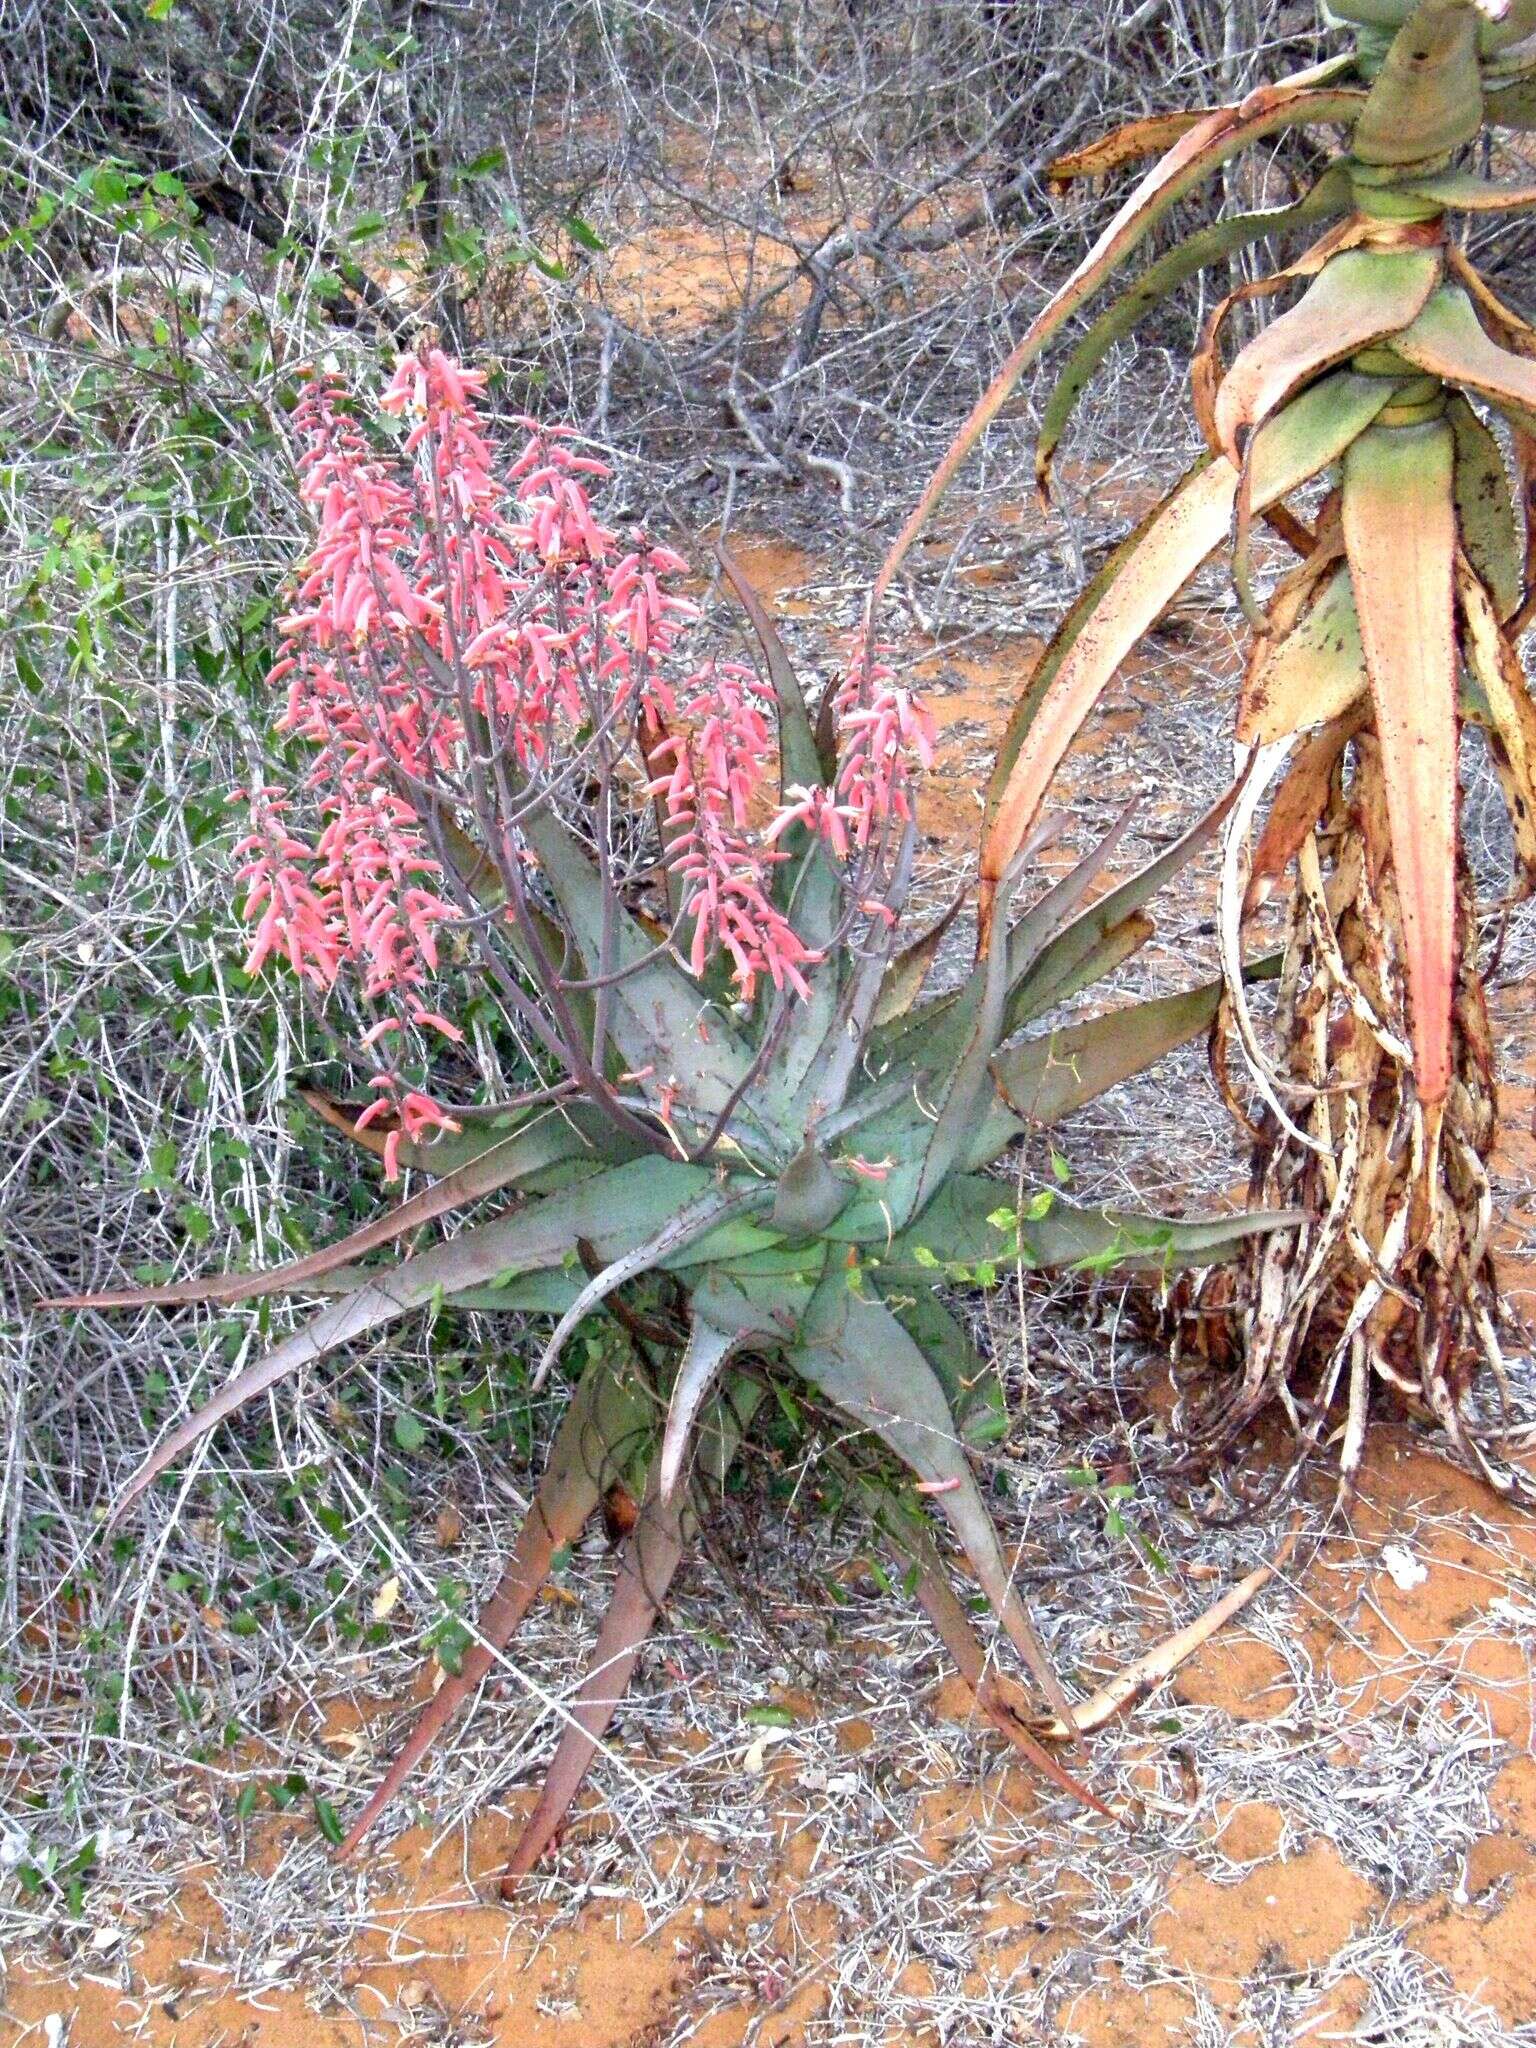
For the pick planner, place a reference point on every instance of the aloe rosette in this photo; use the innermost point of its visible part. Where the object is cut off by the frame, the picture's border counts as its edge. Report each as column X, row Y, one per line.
column 1384, row 385
column 758, row 1179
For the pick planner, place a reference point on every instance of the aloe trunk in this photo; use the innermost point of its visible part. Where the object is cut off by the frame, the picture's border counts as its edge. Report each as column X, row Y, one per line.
column 1385, row 379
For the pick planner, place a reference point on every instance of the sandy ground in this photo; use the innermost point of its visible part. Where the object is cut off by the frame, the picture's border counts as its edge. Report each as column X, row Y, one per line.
column 1332, row 1836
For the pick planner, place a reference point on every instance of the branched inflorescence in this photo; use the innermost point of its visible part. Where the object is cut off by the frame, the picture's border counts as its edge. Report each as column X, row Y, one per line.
column 467, row 638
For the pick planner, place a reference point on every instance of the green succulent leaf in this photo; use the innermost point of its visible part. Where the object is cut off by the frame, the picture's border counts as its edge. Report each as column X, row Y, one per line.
column 1465, row 192
column 661, row 1019
column 1087, row 948
column 971, row 1386
column 1485, row 510
column 616, row 1211
column 1330, row 195
column 960, row 1229
column 859, row 1356
column 1315, row 672
column 1428, row 96
column 594, row 1445
column 1360, row 296
column 1047, row 1078
column 1449, row 341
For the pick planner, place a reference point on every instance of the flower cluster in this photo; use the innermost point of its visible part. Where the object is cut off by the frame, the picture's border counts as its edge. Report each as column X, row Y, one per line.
column 886, row 732
column 461, row 627
column 712, row 761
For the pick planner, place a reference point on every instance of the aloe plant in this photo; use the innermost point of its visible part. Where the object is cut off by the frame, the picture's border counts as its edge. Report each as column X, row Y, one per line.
column 759, row 1187
column 1384, row 383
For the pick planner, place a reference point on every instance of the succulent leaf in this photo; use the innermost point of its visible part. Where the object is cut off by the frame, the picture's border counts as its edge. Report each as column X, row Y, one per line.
column 1076, row 955
column 1495, row 665
column 1400, row 531
column 862, row 1359
column 1046, row 1078
column 824, row 1068
column 1310, row 433
column 1189, row 525
column 623, row 1207
column 1485, row 513
column 908, row 972
column 1315, row 673
column 1428, row 95
column 1449, row 341
column 1078, row 969
column 702, row 1363
column 906, row 1532
column 801, row 761
column 569, row 1129
column 1465, row 192
column 591, row 1446
column 1299, row 802
column 1212, row 141
column 1360, row 296
column 809, row 1195
column 648, row 1562
column 967, row 1092
column 1330, row 195
column 961, row 1228
column 689, row 1225
column 504, row 1162
column 1131, row 143
column 549, row 1293
column 971, row 1386
column 1512, row 104
column 659, row 1017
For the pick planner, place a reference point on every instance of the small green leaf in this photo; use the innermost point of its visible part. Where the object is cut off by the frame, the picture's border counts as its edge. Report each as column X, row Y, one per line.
column 987, row 1429
column 328, row 1820
column 410, row 1431
column 584, row 235
column 366, row 226
column 293, row 1787
column 486, row 165
column 769, row 1717
column 195, row 1222
column 245, row 1805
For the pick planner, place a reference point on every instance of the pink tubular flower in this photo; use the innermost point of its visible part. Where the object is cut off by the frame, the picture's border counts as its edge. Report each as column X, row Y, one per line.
column 887, row 732
column 717, row 753
column 465, row 637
